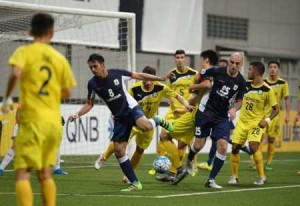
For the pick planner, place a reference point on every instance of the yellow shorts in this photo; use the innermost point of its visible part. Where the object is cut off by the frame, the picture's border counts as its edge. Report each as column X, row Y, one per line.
column 36, row 145
column 273, row 129
column 184, row 128
column 250, row 131
column 143, row 139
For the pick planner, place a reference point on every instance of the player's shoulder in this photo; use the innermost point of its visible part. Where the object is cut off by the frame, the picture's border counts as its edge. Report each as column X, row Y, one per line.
column 281, row 81
column 191, row 70
column 158, row 86
column 266, row 87
column 136, row 85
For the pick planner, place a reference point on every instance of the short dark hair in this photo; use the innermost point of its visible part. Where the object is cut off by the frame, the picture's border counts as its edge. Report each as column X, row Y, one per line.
column 211, row 55
column 179, row 51
column 224, row 61
column 274, row 62
column 259, row 67
column 41, row 24
column 96, row 57
column 149, row 70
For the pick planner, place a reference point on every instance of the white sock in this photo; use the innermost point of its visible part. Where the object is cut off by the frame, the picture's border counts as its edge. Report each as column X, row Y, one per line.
column 153, row 123
column 7, row 158
column 57, row 164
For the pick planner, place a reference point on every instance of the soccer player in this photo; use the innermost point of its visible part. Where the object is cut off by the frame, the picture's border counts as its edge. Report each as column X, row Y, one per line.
column 212, row 115
column 45, row 78
column 185, row 125
column 109, row 85
column 297, row 117
column 181, row 78
column 148, row 94
column 281, row 89
column 252, row 121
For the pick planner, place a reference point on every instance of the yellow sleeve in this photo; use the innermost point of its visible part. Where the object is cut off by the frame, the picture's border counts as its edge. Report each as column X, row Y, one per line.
column 169, row 93
column 271, row 98
column 68, row 80
column 18, row 58
column 286, row 90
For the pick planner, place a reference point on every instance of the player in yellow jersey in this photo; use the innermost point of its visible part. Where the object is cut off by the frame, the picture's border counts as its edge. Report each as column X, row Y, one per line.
column 297, row 117
column 148, row 94
column 252, row 122
column 180, row 80
column 185, row 125
column 45, row 78
column 281, row 89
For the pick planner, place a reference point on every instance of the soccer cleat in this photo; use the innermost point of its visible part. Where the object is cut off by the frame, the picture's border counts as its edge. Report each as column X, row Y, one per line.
column 233, row 180
column 59, row 172
column 165, row 124
column 260, row 181
column 190, row 167
column 212, row 184
column 181, row 174
column 152, row 172
column 167, row 177
column 204, row 166
column 135, row 186
column 268, row 167
column 1, row 172
column 99, row 162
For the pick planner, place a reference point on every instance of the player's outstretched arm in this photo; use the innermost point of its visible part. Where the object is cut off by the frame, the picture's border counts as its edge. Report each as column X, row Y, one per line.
column 184, row 103
column 205, row 84
column 149, row 77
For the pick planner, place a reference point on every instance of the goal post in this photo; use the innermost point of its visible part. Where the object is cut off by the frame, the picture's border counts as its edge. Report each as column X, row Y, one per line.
column 78, row 33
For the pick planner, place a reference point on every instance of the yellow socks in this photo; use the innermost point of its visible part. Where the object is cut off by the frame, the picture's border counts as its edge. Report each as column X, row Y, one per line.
column 270, row 155
column 135, row 159
column 109, row 151
column 257, row 156
column 48, row 189
column 160, row 149
column 234, row 164
column 172, row 152
column 24, row 193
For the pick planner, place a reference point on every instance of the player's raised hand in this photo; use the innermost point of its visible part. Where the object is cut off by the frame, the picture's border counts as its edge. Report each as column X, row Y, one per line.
column 263, row 124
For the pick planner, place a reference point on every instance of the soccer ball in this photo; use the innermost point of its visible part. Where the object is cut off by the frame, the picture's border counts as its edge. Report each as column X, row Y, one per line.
column 161, row 164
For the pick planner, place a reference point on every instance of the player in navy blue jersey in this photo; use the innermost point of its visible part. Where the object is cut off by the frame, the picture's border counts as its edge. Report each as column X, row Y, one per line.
column 212, row 116
column 109, row 85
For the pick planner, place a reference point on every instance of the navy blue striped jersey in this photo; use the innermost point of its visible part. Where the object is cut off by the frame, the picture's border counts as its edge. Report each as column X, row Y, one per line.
column 112, row 90
column 224, row 89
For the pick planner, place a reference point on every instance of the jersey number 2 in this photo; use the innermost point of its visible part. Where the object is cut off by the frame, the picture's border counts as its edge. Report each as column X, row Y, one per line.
column 49, row 74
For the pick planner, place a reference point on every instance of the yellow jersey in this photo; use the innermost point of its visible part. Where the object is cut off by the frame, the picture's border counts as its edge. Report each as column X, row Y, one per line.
column 45, row 72
column 149, row 101
column 180, row 82
column 255, row 101
column 281, row 90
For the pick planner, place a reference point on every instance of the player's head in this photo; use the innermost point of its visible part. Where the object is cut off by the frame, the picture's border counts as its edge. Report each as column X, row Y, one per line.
column 235, row 63
column 180, row 58
column 273, row 67
column 256, row 69
column 223, row 63
column 148, row 70
column 96, row 64
column 42, row 25
column 208, row 58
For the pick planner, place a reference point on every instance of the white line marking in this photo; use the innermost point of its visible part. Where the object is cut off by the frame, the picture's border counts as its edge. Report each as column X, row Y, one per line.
column 168, row 196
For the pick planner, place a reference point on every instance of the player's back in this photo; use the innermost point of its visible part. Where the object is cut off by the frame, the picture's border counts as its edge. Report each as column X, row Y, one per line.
column 255, row 101
column 44, row 72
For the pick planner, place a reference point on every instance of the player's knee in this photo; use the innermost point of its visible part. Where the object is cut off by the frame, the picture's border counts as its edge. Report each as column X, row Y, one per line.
column 253, row 147
column 139, row 150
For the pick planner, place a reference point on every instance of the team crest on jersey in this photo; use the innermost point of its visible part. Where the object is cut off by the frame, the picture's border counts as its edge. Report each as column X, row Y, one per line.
column 259, row 92
column 154, row 94
column 202, row 71
column 235, row 87
column 277, row 85
column 188, row 76
column 116, row 82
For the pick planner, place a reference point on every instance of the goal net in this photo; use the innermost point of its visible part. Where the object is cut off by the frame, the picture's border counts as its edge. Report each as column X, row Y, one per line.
column 78, row 33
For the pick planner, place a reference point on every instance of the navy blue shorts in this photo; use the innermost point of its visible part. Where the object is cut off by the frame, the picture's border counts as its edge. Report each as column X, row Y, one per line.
column 208, row 124
column 124, row 124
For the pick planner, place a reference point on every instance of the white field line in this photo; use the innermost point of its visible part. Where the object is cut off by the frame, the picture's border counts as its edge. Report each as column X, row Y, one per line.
column 169, row 196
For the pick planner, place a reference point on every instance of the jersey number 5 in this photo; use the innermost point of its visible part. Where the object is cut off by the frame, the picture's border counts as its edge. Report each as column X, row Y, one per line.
column 42, row 90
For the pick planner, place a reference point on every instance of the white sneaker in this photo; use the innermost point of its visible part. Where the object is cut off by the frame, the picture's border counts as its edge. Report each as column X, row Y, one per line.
column 260, row 181
column 233, row 180
column 190, row 167
column 212, row 184
column 99, row 162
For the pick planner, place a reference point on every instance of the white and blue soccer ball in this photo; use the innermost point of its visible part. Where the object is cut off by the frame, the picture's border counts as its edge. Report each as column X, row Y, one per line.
column 162, row 164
